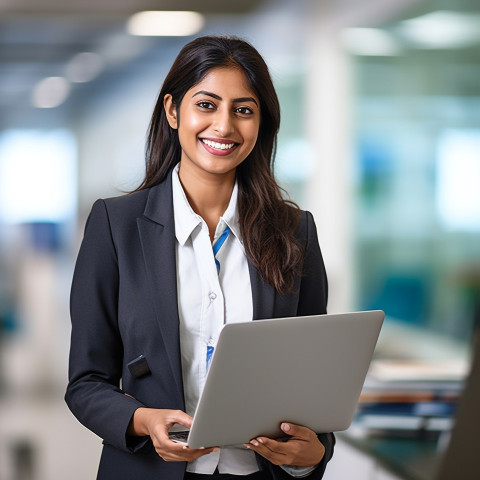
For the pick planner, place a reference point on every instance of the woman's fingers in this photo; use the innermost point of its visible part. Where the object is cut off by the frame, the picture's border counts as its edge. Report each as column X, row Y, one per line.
column 174, row 452
column 269, row 449
column 298, row 431
column 177, row 416
column 302, row 448
column 158, row 423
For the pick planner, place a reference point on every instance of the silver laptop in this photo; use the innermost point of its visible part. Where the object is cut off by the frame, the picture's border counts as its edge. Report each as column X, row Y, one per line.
column 304, row 370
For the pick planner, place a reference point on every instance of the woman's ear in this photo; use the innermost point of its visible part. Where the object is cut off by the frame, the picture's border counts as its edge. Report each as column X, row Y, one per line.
column 170, row 110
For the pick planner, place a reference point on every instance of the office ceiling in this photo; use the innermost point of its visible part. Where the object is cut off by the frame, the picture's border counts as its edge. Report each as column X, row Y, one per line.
column 39, row 37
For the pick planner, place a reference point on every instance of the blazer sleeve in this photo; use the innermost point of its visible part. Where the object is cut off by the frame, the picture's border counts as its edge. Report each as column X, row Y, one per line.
column 95, row 367
column 313, row 297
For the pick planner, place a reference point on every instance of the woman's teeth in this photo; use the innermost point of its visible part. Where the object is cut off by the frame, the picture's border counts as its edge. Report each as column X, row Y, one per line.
column 218, row 146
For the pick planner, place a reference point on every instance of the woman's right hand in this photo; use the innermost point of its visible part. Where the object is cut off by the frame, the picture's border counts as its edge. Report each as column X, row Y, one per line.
column 156, row 423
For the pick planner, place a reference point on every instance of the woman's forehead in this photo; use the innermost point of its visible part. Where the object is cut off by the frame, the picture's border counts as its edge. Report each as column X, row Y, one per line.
column 226, row 82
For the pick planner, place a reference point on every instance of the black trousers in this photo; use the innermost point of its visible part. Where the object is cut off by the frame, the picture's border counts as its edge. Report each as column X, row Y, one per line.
column 227, row 476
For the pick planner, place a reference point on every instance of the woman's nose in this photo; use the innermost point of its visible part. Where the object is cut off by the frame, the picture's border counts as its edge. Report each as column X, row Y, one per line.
column 223, row 123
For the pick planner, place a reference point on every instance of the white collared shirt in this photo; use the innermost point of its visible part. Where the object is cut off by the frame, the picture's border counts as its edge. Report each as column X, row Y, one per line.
column 206, row 301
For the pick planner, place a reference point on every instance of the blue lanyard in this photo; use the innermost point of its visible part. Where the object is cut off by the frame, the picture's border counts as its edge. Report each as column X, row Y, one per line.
column 218, row 245
column 210, row 350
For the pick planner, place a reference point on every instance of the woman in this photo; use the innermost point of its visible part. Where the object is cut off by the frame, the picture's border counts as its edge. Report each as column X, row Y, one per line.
column 149, row 295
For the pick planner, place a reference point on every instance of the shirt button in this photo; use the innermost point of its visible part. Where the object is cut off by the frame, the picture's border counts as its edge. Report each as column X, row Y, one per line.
column 212, row 295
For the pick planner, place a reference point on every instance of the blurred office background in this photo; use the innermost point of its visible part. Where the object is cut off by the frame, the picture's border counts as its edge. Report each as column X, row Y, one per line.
column 380, row 139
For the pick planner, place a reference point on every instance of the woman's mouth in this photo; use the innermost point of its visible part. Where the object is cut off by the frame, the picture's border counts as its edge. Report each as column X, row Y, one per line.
column 218, row 148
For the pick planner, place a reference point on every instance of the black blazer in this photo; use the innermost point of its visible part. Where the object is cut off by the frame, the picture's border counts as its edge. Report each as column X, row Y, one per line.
column 124, row 304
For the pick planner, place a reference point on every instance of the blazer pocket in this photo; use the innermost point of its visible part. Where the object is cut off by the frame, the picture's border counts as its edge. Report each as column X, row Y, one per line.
column 138, row 367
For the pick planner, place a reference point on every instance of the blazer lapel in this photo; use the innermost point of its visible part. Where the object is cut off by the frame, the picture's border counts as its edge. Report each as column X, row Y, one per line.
column 157, row 235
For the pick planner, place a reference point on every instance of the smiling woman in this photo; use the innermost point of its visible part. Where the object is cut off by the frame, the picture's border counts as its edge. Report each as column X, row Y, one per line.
column 206, row 239
column 220, row 118
column 268, row 223
column 219, row 129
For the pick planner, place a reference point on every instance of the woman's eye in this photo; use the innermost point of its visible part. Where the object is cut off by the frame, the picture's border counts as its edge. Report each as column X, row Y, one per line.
column 207, row 105
column 244, row 110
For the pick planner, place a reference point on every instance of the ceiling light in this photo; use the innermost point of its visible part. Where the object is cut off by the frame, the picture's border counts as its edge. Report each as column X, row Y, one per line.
column 369, row 41
column 442, row 29
column 50, row 92
column 165, row 23
column 84, row 67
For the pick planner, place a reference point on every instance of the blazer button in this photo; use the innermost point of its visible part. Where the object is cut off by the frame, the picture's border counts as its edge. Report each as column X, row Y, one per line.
column 212, row 296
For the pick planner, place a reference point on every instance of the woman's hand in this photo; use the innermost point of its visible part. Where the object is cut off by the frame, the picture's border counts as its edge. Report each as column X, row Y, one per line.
column 301, row 449
column 156, row 423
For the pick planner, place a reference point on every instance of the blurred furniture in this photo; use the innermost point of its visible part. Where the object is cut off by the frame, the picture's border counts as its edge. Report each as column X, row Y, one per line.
column 379, row 458
column 461, row 460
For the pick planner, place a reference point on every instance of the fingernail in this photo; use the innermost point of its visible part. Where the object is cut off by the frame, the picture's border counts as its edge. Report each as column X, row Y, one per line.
column 216, row 449
column 254, row 442
column 260, row 440
column 285, row 427
column 246, row 446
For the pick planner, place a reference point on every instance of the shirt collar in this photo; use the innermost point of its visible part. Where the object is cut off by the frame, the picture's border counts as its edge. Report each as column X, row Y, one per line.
column 186, row 220
column 230, row 217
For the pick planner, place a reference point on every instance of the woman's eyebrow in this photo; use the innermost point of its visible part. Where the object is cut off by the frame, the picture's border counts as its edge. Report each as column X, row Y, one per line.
column 218, row 97
column 245, row 99
column 210, row 94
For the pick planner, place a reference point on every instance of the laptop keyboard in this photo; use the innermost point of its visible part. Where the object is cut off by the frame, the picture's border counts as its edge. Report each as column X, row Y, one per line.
column 179, row 436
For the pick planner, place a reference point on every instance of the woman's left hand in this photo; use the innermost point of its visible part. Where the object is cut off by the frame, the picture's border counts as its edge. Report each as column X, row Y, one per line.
column 302, row 448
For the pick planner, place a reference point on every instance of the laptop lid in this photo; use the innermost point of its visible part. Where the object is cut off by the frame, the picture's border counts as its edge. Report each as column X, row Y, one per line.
column 304, row 370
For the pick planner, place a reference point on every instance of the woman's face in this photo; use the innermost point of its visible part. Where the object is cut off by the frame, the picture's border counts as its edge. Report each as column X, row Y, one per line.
column 218, row 123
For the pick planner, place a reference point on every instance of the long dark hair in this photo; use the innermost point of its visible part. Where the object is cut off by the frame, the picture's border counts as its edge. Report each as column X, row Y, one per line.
column 268, row 222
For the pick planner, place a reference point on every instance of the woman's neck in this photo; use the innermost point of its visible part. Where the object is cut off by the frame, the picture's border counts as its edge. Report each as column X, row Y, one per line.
column 208, row 195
